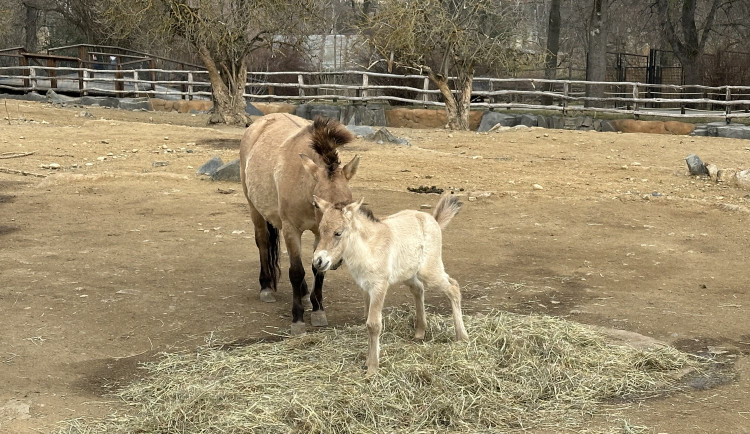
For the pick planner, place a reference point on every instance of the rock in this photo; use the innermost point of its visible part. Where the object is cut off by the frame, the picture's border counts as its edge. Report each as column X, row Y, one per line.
column 210, row 167
column 695, row 165
column 135, row 104
column 228, row 172
column 743, row 178
column 311, row 111
column 425, row 206
column 604, row 126
column 490, row 119
column 725, row 175
column 370, row 114
column 160, row 163
column 54, row 166
column 251, row 110
column 386, row 136
column 85, row 114
column 361, row 130
column 712, row 170
column 537, row 187
column 56, row 98
column 528, row 120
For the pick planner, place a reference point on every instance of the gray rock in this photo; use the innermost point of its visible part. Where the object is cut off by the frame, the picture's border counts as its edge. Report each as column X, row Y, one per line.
column 102, row 101
column 210, row 167
column 56, row 98
column 228, row 172
column 160, row 163
column 370, row 114
column 310, row 111
column 585, row 123
column 699, row 131
column 604, row 126
column 251, row 110
column 383, row 135
column 528, row 120
column 490, row 119
column 734, row 131
column 695, row 165
column 743, row 178
column 361, row 130
column 134, row 104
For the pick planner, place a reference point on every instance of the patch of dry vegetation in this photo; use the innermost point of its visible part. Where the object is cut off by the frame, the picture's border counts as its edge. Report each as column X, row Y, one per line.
column 516, row 372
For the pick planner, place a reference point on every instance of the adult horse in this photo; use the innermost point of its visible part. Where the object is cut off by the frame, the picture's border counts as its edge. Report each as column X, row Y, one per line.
column 284, row 161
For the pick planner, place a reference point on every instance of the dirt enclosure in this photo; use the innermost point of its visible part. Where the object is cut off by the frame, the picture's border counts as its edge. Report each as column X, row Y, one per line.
column 122, row 252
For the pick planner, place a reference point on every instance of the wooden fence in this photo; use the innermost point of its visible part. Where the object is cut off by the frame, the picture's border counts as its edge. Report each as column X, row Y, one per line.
column 356, row 87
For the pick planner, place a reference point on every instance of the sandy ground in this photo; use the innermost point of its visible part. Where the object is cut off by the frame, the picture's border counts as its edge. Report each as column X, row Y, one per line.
column 123, row 252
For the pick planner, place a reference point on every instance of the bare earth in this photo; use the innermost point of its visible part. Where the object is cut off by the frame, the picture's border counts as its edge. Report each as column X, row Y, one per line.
column 106, row 264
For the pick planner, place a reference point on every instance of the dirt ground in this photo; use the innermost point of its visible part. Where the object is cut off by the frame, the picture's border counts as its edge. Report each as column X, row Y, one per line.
column 124, row 252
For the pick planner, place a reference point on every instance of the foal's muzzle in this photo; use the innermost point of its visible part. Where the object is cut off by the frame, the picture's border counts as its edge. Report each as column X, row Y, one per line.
column 322, row 262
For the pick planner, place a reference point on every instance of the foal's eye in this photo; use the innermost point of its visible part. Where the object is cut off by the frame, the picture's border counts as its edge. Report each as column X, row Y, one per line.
column 337, row 233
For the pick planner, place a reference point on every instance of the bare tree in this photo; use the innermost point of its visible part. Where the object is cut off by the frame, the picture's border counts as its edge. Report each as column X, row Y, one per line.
column 444, row 39
column 553, row 46
column 223, row 33
column 596, row 59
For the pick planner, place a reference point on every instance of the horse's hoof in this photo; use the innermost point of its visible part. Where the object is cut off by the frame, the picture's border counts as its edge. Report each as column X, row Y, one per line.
column 306, row 303
column 318, row 318
column 266, row 295
column 298, row 328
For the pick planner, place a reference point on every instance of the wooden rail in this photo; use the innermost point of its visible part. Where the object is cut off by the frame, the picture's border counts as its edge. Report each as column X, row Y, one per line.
column 631, row 98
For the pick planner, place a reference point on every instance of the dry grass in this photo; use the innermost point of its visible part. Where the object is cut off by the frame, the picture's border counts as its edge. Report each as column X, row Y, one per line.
column 517, row 372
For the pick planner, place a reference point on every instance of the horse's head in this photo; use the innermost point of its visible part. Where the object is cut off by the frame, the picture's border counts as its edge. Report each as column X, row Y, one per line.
column 336, row 227
column 331, row 181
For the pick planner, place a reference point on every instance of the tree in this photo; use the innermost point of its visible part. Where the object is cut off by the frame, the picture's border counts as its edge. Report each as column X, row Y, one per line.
column 223, row 33
column 596, row 59
column 553, row 46
column 444, row 39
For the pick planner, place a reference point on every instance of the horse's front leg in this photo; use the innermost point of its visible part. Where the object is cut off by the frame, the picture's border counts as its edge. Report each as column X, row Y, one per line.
column 293, row 240
column 318, row 316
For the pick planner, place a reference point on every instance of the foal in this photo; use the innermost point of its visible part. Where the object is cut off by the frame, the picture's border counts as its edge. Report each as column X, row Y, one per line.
column 404, row 247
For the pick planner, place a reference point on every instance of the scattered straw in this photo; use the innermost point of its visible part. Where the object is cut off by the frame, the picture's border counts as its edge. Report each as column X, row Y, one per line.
column 517, row 372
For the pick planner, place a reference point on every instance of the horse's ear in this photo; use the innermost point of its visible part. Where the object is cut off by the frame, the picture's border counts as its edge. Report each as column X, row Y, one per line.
column 310, row 166
column 320, row 204
column 351, row 168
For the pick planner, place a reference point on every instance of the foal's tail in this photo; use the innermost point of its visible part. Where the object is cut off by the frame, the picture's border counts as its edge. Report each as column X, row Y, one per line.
column 447, row 208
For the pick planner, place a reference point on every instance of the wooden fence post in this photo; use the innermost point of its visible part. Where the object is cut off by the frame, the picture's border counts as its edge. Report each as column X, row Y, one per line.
column 32, row 77
column 301, row 83
column 365, row 83
column 565, row 97
column 136, row 88
column 24, row 63
column 52, row 73
column 425, row 88
column 190, row 85
column 119, row 84
column 728, row 107
column 84, row 82
column 635, row 103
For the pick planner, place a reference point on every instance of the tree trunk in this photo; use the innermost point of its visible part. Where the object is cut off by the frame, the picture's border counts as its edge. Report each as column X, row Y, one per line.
column 457, row 107
column 32, row 16
column 227, row 89
column 553, row 46
column 596, row 60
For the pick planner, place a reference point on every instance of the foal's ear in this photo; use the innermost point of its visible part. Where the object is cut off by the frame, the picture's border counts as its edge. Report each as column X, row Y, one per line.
column 320, row 204
column 354, row 207
column 310, row 166
column 351, row 168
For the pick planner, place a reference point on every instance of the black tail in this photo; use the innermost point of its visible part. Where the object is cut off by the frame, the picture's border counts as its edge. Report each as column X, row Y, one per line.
column 273, row 255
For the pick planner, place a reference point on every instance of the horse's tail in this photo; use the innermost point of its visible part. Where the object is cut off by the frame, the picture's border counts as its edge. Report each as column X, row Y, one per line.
column 273, row 255
column 447, row 208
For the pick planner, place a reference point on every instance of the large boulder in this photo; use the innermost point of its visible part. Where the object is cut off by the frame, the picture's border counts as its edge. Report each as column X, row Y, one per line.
column 228, row 172
column 311, row 111
column 135, row 104
column 490, row 119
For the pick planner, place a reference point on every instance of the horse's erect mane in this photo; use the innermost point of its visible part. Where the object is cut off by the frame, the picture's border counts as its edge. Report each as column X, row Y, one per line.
column 327, row 135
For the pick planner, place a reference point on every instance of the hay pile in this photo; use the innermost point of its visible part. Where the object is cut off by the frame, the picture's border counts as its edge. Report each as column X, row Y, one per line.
column 516, row 372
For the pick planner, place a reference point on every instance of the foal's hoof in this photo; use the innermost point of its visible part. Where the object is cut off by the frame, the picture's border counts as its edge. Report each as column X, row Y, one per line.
column 318, row 318
column 266, row 295
column 298, row 328
column 306, row 303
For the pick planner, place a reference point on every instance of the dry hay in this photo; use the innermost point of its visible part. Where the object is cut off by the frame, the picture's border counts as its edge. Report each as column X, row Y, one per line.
column 517, row 372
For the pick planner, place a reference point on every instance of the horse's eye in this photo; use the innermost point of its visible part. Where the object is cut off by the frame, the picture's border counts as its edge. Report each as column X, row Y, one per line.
column 337, row 233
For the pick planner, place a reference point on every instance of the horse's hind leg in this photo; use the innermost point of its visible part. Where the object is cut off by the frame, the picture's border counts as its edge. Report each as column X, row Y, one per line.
column 449, row 286
column 267, row 240
column 417, row 289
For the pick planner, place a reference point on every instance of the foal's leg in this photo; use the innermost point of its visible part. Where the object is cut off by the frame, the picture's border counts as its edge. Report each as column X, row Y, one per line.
column 448, row 285
column 375, row 325
column 417, row 289
column 266, row 238
column 318, row 315
column 293, row 240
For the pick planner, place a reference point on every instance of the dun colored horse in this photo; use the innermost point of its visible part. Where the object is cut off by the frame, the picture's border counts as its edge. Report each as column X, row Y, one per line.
column 403, row 247
column 284, row 160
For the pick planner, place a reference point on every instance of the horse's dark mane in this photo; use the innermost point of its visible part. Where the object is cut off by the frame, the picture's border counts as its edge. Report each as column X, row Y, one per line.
column 327, row 135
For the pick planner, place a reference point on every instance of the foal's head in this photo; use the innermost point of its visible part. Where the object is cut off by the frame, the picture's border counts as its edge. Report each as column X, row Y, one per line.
column 331, row 179
column 336, row 226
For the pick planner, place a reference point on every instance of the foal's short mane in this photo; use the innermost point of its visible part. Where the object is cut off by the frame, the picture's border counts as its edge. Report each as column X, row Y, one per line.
column 367, row 212
column 327, row 135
